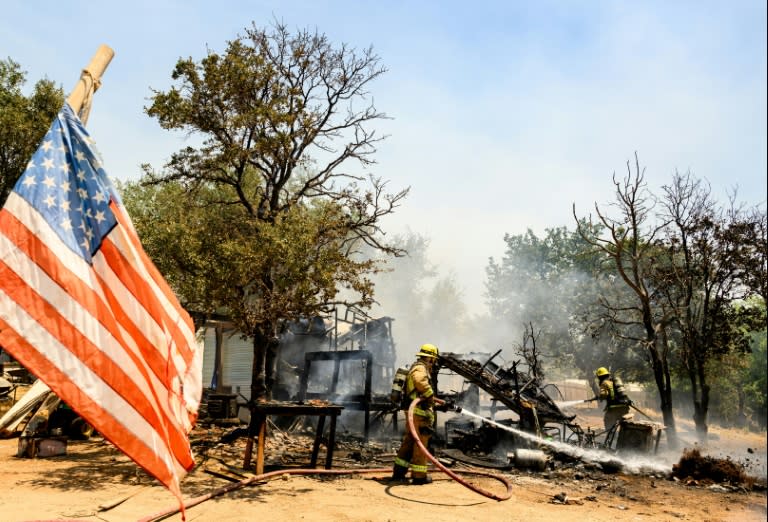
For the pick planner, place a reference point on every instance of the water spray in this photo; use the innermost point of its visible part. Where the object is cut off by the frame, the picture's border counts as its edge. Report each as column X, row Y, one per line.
column 569, row 404
column 633, row 464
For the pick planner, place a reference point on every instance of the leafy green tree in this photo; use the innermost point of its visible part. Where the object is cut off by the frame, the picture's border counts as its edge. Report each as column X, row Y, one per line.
column 209, row 254
column 184, row 237
column 754, row 260
column 738, row 385
column 526, row 284
column 24, row 120
column 552, row 283
column 754, row 382
column 280, row 118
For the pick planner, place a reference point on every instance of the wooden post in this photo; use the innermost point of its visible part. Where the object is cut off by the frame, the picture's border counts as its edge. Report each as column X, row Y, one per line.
column 217, row 368
column 318, row 440
column 248, row 452
column 260, row 444
column 89, row 81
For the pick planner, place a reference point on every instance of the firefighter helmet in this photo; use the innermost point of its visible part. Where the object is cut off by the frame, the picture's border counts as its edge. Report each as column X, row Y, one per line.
column 602, row 371
column 428, row 350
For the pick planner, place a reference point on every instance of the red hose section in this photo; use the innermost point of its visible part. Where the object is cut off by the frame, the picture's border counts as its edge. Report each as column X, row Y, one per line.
column 454, row 476
column 264, row 476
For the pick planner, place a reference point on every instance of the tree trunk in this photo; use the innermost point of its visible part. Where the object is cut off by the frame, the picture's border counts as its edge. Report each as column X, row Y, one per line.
column 665, row 396
column 741, row 417
column 263, row 369
column 699, row 416
column 258, row 381
column 664, row 385
column 218, row 383
column 701, row 406
column 270, row 365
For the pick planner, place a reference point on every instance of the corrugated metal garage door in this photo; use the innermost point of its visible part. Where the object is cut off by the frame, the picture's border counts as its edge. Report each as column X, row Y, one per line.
column 236, row 359
column 237, row 362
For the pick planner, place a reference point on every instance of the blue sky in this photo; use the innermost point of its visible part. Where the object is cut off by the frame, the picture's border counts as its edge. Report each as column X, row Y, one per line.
column 505, row 113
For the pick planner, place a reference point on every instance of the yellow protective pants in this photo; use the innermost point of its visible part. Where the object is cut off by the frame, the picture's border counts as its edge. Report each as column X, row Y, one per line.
column 409, row 453
column 614, row 414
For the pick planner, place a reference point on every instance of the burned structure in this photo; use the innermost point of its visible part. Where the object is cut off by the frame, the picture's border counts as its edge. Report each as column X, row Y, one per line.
column 537, row 413
column 351, row 335
column 513, row 389
column 348, row 359
column 345, row 357
column 508, row 389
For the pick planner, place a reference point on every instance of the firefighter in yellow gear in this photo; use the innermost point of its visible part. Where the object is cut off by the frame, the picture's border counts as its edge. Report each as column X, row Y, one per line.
column 616, row 400
column 418, row 385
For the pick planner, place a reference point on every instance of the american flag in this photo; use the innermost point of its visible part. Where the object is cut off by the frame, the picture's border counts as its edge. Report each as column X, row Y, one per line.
column 83, row 307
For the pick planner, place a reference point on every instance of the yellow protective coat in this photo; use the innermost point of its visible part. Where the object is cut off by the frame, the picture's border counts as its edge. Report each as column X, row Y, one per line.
column 614, row 411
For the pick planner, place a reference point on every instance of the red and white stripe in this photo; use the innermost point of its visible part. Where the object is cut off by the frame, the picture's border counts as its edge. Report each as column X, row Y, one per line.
column 110, row 338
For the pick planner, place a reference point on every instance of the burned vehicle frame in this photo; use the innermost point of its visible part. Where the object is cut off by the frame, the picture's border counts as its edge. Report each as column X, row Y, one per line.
column 538, row 414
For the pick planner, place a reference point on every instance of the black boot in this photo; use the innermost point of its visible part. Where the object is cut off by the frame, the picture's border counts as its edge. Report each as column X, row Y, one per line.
column 420, row 481
column 398, row 473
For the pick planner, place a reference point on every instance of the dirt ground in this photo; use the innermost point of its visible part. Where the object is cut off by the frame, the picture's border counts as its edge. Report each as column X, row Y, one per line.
column 90, row 480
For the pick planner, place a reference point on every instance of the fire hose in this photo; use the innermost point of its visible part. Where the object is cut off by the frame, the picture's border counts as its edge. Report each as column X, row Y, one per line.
column 265, row 476
column 454, row 476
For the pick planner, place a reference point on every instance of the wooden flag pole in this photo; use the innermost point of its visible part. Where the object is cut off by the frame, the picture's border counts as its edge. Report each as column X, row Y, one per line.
column 90, row 80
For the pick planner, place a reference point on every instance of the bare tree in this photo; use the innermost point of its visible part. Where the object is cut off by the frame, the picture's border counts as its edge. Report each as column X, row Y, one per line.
column 631, row 246
column 531, row 354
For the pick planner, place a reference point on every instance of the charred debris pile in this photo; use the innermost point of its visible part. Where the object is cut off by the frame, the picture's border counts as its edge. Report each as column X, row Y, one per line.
column 529, row 421
column 696, row 469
